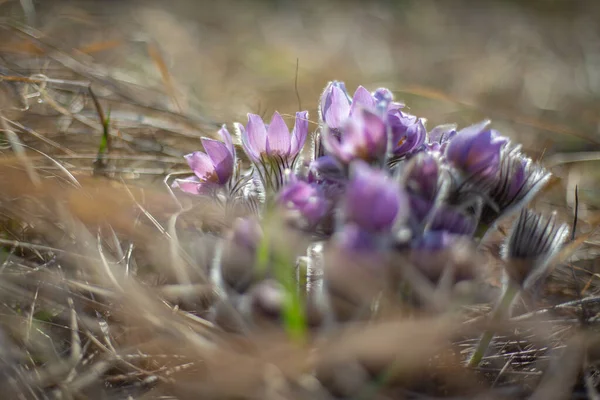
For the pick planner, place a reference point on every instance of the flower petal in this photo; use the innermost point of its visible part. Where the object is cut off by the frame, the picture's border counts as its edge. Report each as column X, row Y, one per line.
column 422, row 176
column 333, row 146
column 256, row 136
column 188, row 185
column 362, row 98
column 226, row 136
column 436, row 241
column 476, row 151
column 200, row 163
column 278, row 136
column 246, row 233
column 373, row 201
column 519, row 179
column 306, row 199
column 386, row 207
column 383, row 95
column 243, row 135
column 353, row 139
column 327, row 168
column 375, row 133
column 459, row 146
column 449, row 219
column 221, row 158
column 533, row 242
column 442, row 133
column 408, row 132
column 489, row 141
column 353, row 238
column 299, row 133
column 336, row 108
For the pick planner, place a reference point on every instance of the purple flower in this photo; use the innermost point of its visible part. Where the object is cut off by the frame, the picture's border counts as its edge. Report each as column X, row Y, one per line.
column 212, row 169
column 531, row 246
column 451, row 220
column 518, row 181
column 436, row 240
column 342, row 116
column 335, row 105
column 352, row 237
column 408, row 132
column 362, row 99
column 442, row 133
column 419, row 209
column 306, row 199
column 439, row 137
column 237, row 264
column 373, row 201
column 475, row 150
column 384, row 98
column 363, row 137
column 246, row 233
column 262, row 141
column 271, row 147
column 422, row 176
column 326, row 169
column 445, row 255
column 439, row 218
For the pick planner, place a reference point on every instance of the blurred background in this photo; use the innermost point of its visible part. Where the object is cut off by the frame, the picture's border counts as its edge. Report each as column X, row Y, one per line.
column 532, row 66
column 173, row 71
column 165, row 73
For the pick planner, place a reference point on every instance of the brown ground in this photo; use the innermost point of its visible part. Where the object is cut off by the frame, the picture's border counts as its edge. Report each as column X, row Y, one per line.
column 170, row 72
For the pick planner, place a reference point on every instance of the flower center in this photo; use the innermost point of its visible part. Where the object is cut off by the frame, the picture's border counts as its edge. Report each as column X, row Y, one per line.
column 401, row 141
column 210, row 177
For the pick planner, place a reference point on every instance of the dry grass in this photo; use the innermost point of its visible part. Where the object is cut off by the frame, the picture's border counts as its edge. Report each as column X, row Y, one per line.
column 106, row 288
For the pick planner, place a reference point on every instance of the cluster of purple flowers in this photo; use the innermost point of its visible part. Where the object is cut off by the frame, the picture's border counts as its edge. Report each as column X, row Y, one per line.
column 375, row 178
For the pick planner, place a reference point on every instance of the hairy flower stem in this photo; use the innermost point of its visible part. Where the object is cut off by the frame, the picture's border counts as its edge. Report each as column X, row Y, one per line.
column 498, row 314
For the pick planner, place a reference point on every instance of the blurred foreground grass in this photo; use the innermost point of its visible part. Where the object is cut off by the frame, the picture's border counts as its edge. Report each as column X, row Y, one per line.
column 101, row 289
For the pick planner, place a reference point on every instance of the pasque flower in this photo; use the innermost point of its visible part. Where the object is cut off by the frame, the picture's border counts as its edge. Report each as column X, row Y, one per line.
column 373, row 201
column 271, row 147
column 422, row 176
column 444, row 257
column 381, row 192
column 372, row 206
column 384, row 100
column 213, row 168
column 440, row 226
column 336, row 106
column 326, row 169
column 340, row 114
column 235, row 264
column 306, row 199
column 246, row 233
column 531, row 245
column 362, row 137
column 263, row 141
column 439, row 137
column 450, row 219
column 354, row 238
column 436, row 240
column 517, row 182
column 475, row 151
column 408, row 132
